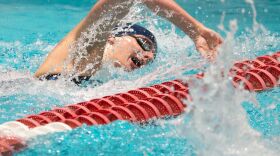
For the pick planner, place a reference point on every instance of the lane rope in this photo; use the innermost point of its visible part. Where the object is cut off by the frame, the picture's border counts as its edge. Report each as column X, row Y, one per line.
column 139, row 105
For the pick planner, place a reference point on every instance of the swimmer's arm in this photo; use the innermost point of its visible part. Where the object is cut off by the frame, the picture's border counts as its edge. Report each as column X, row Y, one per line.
column 205, row 39
column 116, row 9
column 170, row 10
column 58, row 56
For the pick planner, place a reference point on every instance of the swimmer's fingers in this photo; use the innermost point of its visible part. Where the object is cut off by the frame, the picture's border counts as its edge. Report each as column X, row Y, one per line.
column 214, row 40
column 202, row 46
column 209, row 55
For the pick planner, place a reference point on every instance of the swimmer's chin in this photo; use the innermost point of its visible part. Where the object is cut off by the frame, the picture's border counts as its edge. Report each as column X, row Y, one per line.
column 127, row 68
column 116, row 64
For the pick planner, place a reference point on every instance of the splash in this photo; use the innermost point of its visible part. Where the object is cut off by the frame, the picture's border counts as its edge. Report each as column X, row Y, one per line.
column 219, row 123
column 256, row 25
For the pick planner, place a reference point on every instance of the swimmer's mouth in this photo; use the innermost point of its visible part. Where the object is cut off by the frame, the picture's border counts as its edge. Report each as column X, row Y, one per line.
column 136, row 61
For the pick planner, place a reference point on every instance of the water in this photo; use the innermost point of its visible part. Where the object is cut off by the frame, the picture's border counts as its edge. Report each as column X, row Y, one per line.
column 220, row 121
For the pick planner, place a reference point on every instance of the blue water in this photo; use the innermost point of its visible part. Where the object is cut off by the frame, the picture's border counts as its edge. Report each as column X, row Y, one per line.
column 30, row 29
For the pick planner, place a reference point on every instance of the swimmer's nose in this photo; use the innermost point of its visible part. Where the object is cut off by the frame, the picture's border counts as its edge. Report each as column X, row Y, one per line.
column 147, row 57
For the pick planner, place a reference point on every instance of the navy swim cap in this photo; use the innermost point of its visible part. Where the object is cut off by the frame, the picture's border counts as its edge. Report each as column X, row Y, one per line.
column 134, row 29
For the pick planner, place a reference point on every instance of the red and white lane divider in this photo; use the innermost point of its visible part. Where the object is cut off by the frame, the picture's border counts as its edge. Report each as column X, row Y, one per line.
column 140, row 105
column 259, row 74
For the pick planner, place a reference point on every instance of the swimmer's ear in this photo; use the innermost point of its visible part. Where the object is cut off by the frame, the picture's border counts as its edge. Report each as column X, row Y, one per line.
column 111, row 40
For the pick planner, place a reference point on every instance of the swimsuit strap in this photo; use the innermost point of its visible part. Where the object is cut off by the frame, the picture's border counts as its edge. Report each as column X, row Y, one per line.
column 77, row 80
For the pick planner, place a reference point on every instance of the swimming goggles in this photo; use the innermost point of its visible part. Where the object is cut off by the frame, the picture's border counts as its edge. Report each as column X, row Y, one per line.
column 144, row 43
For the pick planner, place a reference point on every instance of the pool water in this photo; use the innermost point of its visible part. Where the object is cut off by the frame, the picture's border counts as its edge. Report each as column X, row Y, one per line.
column 220, row 121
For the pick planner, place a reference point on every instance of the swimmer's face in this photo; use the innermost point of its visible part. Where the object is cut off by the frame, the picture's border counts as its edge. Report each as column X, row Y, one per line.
column 130, row 52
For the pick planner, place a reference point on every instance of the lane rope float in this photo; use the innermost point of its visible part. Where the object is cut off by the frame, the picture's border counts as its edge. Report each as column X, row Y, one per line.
column 139, row 105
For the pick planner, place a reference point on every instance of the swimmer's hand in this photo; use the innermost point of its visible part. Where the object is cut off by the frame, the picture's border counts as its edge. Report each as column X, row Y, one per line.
column 207, row 41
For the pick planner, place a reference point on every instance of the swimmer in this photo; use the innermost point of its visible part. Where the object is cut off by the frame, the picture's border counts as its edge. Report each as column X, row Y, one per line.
column 130, row 46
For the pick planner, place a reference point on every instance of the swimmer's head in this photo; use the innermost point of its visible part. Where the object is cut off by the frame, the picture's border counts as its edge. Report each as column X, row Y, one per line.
column 131, row 46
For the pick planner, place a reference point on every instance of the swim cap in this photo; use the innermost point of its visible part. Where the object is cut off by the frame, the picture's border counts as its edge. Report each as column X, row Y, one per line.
column 134, row 29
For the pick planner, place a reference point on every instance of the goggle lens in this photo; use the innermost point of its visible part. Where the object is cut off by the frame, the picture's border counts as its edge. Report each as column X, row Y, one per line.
column 145, row 44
